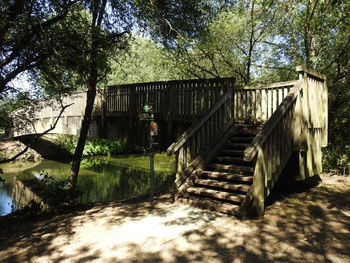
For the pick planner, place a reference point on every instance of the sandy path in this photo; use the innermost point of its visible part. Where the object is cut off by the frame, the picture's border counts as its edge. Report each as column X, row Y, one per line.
column 311, row 226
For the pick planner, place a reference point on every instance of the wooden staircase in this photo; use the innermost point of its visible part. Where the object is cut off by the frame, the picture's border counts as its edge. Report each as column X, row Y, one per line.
column 227, row 164
column 223, row 182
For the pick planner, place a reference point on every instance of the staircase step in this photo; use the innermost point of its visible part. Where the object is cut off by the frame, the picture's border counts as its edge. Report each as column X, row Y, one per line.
column 228, row 176
column 231, row 167
column 232, row 152
column 216, row 194
column 228, row 159
column 225, row 185
column 247, row 139
column 236, row 145
column 251, row 129
column 210, row 204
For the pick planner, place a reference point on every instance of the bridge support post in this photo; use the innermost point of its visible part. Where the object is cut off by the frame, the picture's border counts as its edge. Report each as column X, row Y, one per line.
column 313, row 122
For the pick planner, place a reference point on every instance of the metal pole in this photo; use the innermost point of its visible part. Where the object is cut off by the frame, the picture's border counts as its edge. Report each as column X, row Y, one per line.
column 151, row 161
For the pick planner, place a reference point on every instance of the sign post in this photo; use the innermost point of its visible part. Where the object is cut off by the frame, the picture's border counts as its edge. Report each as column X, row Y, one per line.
column 148, row 115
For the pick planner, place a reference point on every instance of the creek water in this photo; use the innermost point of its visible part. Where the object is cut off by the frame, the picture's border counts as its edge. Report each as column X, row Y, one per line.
column 100, row 179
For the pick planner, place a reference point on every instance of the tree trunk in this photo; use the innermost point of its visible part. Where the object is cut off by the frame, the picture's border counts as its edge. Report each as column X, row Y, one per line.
column 97, row 14
column 251, row 44
column 90, row 98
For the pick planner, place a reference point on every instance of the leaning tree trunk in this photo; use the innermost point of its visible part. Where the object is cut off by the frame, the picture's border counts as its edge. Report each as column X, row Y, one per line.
column 91, row 94
column 98, row 10
column 90, row 98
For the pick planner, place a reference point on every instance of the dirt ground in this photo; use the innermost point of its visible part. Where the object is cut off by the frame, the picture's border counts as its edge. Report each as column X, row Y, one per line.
column 303, row 226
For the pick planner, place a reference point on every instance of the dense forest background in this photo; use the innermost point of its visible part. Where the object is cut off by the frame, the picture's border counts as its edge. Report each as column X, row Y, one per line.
column 66, row 45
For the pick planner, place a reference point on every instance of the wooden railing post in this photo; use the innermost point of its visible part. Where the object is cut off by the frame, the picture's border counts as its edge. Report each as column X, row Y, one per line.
column 131, row 106
column 314, row 121
column 171, row 109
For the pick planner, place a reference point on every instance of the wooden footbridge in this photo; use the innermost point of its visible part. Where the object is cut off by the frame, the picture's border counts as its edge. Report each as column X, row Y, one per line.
column 237, row 140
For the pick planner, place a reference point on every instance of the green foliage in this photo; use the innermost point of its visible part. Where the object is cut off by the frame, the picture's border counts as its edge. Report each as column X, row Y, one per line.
column 337, row 158
column 5, row 120
column 69, row 68
column 166, row 21
column 54, row 191
column 66, row 142
column 102, row 147
column 95, row 146
column 144, row 61
column 25, row 36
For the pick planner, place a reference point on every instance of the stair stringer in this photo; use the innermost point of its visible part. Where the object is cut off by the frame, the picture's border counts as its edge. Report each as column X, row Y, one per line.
column 253, row 205
column 196, row 167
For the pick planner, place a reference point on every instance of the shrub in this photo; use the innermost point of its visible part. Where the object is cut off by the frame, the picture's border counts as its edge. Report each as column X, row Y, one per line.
column 92, row 146
column 337, row 158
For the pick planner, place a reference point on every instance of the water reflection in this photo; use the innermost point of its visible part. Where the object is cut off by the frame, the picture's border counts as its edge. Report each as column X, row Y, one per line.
column 100, row 178
column 7, row 204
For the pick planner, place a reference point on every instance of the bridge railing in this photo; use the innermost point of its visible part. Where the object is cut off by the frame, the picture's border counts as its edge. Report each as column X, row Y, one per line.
column 180, row 100
column 257, row 104
column 183, row 100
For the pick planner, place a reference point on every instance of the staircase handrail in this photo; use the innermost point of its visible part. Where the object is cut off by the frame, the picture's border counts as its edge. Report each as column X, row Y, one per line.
column 269, row 126
column 174, row 147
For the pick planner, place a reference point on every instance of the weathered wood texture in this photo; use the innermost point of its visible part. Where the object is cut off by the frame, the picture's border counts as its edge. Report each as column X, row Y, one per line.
column 295, row 117
column 183, row 100
column 174, row 101
column 315, row 122
column 194, row 145
column 298, row 124
column 257, row 104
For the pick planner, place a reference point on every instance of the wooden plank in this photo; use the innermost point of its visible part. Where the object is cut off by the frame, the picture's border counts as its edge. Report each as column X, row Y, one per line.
column 228, row 176
column 274, row 100
column 175, row 146
column 269, row 103
column 264, row 105
column 272, row 122
column 223, row 185
column 231, row 167
column 237, row 105
column 280, row 96
column 301, row 70
column 272, row 85
column 324, row 140
column 249, row 105
column 259, row 101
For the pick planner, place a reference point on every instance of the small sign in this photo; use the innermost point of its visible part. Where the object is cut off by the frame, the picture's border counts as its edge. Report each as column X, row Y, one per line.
column 148, row 113
column 146, row 116
column 147, row 108
column 153, row 128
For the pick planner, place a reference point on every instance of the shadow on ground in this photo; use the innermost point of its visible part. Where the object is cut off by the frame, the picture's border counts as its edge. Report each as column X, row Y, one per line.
column 311, row 226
